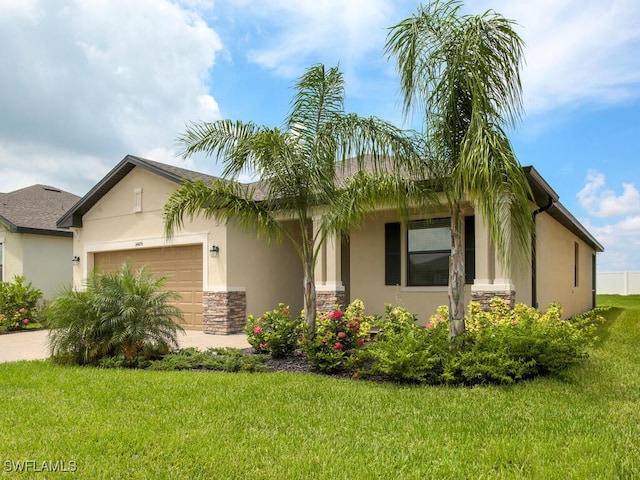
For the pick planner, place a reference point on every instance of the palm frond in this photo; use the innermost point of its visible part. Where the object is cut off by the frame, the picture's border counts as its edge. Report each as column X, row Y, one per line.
column 222, row 200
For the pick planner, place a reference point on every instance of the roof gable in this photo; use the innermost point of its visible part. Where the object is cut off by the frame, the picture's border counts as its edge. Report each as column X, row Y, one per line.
column 73, row 217
column 35, row 209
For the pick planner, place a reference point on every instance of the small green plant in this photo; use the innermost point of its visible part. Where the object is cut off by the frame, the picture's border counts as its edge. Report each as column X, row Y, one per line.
column 275, row 332
column 18, row 304
column 123, row 313
column 218, row 359
column 337, row 335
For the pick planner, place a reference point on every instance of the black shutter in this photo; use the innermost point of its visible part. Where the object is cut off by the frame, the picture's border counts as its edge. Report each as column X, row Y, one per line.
column 469, row 249
column 392, row 254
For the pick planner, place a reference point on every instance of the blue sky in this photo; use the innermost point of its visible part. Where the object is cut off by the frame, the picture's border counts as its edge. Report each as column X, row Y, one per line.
column 87, row 82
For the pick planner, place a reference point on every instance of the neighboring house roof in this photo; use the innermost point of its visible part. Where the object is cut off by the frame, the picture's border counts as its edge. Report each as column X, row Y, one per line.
column 35, row 209
column 73, row 217
column 544, row 196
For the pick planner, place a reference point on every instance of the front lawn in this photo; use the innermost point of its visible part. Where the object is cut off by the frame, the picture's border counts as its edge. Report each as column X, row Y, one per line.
column 149, row 424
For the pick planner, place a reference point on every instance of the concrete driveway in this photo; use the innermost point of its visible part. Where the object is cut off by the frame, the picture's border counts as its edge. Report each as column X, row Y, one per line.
column 33, row 345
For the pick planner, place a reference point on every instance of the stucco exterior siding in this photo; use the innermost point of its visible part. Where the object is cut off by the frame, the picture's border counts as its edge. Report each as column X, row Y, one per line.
column 12, row 253
column 47, row 262
column 555, row 272
column 367, row 273
column 270, row 273
column 43, row 260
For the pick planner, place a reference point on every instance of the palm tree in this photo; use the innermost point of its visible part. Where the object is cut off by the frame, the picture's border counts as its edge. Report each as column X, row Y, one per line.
column 464, row 71
column 125, row 312
column 299, row 169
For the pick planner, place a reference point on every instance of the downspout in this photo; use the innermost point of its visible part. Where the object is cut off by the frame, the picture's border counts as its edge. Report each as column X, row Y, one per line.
column 534, row 263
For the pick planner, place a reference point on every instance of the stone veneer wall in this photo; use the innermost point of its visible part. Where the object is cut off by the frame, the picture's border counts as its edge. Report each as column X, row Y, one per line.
column 327, row 300
column 224, row 313
column 484, row 298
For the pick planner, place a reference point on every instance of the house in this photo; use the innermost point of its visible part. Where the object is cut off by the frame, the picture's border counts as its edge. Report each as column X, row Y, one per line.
column 31, row 245
column 225, row 273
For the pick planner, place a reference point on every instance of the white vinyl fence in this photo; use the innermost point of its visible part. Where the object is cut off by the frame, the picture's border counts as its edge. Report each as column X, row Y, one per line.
column 621, row 283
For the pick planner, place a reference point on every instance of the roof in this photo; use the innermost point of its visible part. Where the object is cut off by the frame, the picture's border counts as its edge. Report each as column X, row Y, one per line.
column 73, row 215
column 544, row 196
column 35, row 209
column 547, row 199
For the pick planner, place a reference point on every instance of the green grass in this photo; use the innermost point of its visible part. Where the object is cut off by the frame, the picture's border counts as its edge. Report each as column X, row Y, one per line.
column 145, row 424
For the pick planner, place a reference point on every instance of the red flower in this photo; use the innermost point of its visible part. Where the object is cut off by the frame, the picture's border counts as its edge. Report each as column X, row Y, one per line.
column 336, row 315
column 337, row 347
column 341, row 334
column 22, row 310
column 428, row 325
column 257, row 329
column 25, row 321
column 285, row 311
column 324, row 340
column 360, row 342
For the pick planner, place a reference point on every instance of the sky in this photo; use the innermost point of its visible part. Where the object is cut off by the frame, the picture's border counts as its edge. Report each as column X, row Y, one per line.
column 83, row 83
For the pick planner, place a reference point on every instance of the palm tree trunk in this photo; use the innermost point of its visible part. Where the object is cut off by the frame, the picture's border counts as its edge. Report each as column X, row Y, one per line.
column 456, row 274
column 309, row 295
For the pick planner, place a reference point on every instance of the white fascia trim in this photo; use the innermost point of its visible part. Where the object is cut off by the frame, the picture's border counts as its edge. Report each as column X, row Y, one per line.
column 223, row 288
column 334, row 287
column 146, row 242
column 424, row 289
column 493, row 287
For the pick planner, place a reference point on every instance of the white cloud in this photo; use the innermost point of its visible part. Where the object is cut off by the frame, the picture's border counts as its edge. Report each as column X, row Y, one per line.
column 599, row 201
column 287, row 36
column 578, row 52
column 86, row 83
column 621, row 241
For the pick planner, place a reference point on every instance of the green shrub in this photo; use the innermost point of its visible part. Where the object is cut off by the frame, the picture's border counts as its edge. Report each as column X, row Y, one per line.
column 18, row 304
column 502, row 345
column 404, row 351
column 274, row 332
column 220, row 359
column 122, row 313
column 337, row 335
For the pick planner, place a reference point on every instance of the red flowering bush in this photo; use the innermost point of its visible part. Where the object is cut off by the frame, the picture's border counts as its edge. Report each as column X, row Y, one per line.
column 18, row 304
column 274, row 332
column 337, row 335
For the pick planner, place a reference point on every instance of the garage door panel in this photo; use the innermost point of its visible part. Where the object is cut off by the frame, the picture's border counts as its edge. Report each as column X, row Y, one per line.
column 182, row 265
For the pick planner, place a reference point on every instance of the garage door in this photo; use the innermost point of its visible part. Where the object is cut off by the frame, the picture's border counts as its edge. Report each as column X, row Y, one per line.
column 182, row 265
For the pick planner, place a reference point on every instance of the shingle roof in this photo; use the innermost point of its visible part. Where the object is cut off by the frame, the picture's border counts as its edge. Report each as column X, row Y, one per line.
column 35, row 209
column 543, row 193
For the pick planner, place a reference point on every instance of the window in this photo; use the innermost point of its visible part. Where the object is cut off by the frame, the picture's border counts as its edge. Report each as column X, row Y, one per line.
column 576, row 263
column 428, row 251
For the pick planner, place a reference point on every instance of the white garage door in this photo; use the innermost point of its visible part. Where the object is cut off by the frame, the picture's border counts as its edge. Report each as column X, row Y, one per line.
column 182, row 265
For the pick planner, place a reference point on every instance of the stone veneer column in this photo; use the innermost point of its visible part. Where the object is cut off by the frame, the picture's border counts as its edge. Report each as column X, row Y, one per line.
column 224, row 312
column 326, row 300
column 485, row 297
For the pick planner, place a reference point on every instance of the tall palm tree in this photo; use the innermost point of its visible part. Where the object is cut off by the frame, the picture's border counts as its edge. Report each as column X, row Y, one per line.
column 299, row 177
column 464, row 71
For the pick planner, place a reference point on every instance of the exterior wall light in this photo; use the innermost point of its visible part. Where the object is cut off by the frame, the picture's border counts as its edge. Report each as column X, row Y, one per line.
column 75, row 260
column 214, row 250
